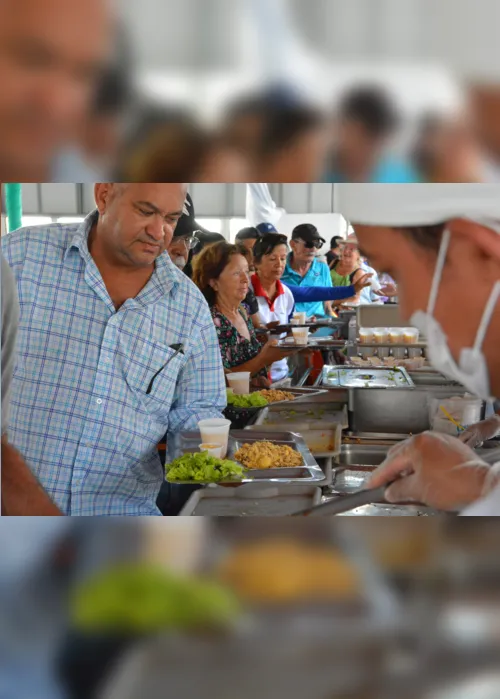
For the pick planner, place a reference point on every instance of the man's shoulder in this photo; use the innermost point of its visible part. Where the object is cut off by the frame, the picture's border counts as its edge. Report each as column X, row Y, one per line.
column 54, row 236
column 188, row 293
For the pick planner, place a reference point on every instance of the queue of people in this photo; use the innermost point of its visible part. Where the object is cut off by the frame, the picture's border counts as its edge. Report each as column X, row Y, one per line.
column 117, row 347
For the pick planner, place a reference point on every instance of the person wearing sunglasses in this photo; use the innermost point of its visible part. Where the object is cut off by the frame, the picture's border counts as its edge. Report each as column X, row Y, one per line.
column 184, row 240
column 303, row 269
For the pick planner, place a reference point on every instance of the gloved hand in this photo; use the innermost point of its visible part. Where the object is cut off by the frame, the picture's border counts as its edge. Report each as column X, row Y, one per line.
column 475, row 435
column 433, row 469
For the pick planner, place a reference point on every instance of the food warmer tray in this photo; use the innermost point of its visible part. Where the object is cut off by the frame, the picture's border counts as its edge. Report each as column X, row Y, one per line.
column 309, row 473
column 338, row 377
column 300, row 395
column 252, row 499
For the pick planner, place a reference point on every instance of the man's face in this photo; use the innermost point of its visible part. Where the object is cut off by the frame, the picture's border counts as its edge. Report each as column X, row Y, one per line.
column 51, row 54
column 357, row 146
column 179, row 249
column 138, row 220
column 301, row 253
column 248, row 244
column 473, row 254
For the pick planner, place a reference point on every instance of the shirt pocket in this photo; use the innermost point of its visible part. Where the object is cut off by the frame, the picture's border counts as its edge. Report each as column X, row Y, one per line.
column 152, row 374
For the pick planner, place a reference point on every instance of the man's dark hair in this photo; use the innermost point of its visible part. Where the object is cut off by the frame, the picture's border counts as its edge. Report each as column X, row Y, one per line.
column 284, row 126
column 248, row 233
column 334, row 242
column 372, row 107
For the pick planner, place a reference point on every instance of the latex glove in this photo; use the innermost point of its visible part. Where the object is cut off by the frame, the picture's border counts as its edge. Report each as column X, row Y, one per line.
column 389, row 290
column 433, row 469
column 475, row 435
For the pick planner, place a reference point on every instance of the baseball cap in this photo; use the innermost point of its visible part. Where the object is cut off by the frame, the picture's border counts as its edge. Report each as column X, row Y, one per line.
column 187, row 225
column 249, row 233
column 264, row 228
column 308, row 233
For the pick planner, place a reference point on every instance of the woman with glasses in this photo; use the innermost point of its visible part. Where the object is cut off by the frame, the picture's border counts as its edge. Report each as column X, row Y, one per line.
column 221, row 273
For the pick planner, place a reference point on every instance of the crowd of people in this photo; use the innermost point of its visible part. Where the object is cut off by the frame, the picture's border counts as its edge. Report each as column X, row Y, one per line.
column 117, row 347
column 88, row 121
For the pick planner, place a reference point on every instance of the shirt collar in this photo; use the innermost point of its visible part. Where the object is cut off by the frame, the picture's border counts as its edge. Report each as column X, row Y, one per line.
column 164, row 279
column 259, row 290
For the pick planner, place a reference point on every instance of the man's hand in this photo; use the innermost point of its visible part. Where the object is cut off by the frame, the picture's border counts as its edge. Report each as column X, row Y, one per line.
column 475, row 435
column 433, row 469
column 22, row 494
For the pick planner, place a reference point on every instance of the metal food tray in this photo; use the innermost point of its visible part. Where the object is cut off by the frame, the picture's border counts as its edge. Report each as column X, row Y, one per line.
column 312, row 343
column 251, row 500
column 309, row 472
column 309, row 423
column 338, row 377
column 300, row 395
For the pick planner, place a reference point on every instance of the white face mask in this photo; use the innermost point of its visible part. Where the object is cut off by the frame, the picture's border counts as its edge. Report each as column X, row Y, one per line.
column 472, row 368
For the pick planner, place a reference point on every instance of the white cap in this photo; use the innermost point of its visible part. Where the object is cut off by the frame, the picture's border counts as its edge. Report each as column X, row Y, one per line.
column 418, row 204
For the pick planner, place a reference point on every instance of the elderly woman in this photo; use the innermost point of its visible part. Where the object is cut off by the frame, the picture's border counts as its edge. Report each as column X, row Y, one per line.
column 221, row 273
column 347, row 270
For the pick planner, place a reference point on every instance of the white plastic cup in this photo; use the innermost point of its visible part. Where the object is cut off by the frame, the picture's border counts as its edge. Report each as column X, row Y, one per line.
column 396, row 336
column 301, row 317
column 300, row 336
column 367, row 352
column 410, row 336
column 381, row 336
column 294, row 321
column 414, row 352
column 399, row 352
column 239, row 382
column 212, row 449
column 383, row 352
column 366, row 335
column 215, row 431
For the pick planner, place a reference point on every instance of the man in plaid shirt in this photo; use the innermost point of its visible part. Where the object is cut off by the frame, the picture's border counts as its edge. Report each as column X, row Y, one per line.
column 98, row 381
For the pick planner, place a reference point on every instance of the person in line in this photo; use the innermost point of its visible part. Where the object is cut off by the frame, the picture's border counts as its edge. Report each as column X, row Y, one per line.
column 116, row 349
column 333, row 253
column 366, row 123
column 53, row 56
column 184, row 239
column 250, row 303
column 222, row 275
column 347, row 270
column 22, row 494
column 292, row 148
column 303, row 269
column 247, row 237
column 275, row 300
column 433, row 239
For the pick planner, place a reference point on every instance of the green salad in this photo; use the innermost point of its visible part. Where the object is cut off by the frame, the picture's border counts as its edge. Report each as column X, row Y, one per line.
column 203, row 468
column 248, row 400
column 145, row 598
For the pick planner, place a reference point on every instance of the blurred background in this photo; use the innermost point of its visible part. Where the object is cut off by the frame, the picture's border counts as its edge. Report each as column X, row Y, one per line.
column 233, row 608
column 250, row 90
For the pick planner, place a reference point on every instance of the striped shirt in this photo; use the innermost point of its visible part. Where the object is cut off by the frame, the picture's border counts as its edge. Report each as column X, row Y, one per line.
column 81, row 413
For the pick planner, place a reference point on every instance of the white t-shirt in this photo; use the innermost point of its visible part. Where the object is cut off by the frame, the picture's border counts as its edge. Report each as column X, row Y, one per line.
column 280, row 311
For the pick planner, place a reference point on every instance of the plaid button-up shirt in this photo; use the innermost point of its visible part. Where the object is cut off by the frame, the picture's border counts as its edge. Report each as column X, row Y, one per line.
column 81, row 413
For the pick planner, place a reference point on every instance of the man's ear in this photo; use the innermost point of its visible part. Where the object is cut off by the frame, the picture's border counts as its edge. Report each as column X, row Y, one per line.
column 102, row 191
column 484, row 239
